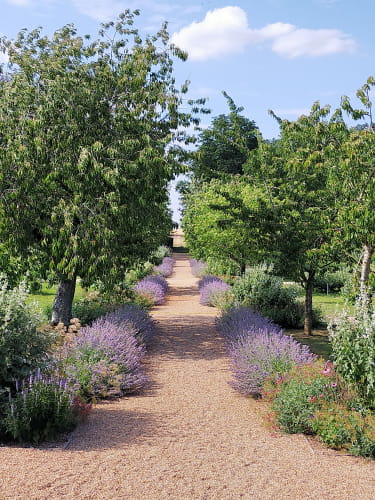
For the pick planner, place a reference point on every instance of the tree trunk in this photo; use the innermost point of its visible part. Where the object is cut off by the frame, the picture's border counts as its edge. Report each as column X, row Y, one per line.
column 243, row 269
column 62, row 305
column 309, row 287
column 368, row 252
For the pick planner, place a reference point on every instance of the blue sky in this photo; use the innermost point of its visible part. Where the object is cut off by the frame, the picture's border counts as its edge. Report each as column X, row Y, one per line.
column 274, row 54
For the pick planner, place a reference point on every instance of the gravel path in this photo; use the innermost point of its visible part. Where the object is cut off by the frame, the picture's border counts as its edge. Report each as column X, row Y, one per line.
column 189, row 436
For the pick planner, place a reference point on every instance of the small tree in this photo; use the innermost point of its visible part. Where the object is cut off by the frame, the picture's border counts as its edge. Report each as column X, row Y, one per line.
column 307, row 211
column 355, row 177
column 86, row 129
column 227, row 222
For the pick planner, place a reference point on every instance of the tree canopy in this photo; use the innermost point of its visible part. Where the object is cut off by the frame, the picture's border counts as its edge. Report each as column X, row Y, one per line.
column 223, row 148
column 89, row 136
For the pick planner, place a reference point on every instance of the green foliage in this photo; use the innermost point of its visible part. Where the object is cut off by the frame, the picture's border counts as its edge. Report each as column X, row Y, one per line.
column 157, row 255
column 38, row 412
column 89, row 125
column 91, row 307
column 226, row 223
column 301, row 392
column 334, row 281
column 265, row 292
column 22, row 347
column 353, row 347
column 339, row 427
column 313, row 399
column 224, row 147
column 354, row 174
column 19, row 269
column 226, row 269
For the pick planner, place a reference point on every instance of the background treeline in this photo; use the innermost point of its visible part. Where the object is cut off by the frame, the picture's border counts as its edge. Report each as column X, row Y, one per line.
column 303, row 202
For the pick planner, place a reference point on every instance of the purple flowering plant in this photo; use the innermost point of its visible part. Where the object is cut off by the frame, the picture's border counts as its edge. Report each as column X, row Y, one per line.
column 198, row 268
column 105, row 359
column 258, row 348
column 41, row 407
column 153, row 287
column 166, row 267
column 137, row 319
column 212, row 291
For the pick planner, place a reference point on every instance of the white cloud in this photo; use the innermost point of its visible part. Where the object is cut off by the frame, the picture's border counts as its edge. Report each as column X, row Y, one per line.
column 223, row 31
column 226, row 31
column 304, row 42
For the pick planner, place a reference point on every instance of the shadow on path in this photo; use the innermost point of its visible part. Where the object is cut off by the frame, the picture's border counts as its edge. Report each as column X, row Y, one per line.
column 188, row 337
column 115, row 427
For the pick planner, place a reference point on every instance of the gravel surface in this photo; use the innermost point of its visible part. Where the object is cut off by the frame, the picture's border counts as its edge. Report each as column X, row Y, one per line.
column 188, row 436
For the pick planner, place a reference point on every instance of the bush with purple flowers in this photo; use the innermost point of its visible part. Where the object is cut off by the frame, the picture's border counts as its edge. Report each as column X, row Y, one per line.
column 104, row 360
column 198, row 268
column 238, row 322
column 39, row 409
column 212, row 290
column 166, row 267
column 137, row 319
column 153, row 287
column 258, row 348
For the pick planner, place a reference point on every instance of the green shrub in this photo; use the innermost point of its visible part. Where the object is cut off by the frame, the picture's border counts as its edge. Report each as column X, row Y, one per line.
column 333, row 426
column 158, row 255
column 22, row 347
column 267, row 294
column 90, row 308
column 338, row 426
column 334, row 280
column 40, row 409
column 221, row 269
column 301, row 392
column 353, row 348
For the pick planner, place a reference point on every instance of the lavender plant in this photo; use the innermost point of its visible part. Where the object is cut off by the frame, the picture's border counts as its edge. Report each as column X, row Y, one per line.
column 240, row 322
column 198, row 268
column 264, row 353
column 40, row 408
column 105, row 359
column 137, row 319
column 213, row 291
column 153, row 287
column 165, row 268
column 258, row 348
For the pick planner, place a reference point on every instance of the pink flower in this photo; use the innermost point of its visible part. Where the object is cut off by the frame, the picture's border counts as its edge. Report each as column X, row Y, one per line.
column 312, row 399
column 328, row 369
column 321, row 395
column 334, row 384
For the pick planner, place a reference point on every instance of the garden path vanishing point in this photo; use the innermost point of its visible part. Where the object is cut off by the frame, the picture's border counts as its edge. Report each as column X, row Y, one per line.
column 188, row 436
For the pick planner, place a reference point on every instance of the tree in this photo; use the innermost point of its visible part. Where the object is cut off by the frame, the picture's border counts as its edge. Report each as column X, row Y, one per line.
column 308, row 209
column 227, row 222
column 87, row 147
column 223, row 148
column 355, row 174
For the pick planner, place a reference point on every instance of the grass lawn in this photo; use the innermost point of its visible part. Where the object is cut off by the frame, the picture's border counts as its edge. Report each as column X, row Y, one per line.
column 45, row 297
column 329, row 304
column 318, row 342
